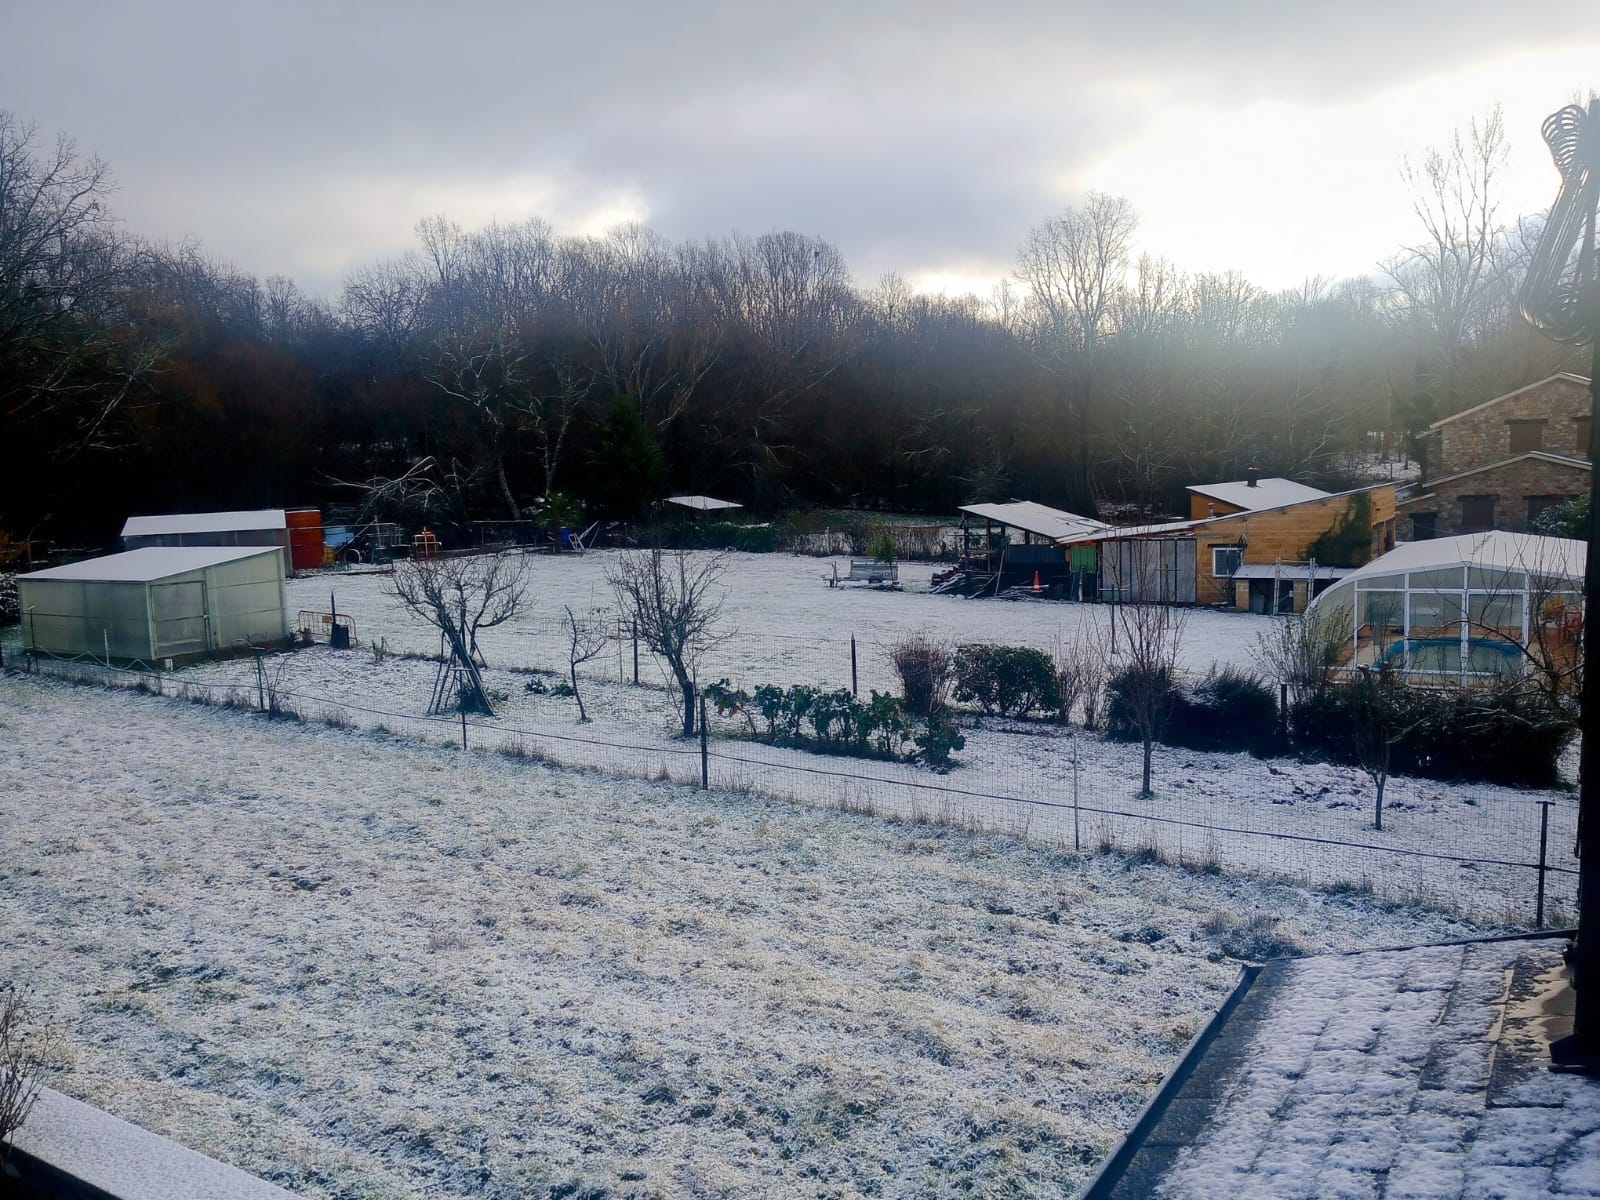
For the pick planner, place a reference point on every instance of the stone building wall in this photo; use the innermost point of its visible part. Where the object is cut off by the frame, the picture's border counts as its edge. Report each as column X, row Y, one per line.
column 1513, row 487
column 1483, row 435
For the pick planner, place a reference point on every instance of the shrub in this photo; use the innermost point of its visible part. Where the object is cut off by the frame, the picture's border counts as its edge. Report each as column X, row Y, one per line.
column 1122, row 721
column 923, row 664
column 1507, row 735
column 831, row 722
column 882, row 546
column 1011, row 681
column 1081, row 670
column 938, row 740
column 1230, row 710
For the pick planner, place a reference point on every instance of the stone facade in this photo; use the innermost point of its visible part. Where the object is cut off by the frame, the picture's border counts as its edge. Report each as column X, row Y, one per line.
column 1503, row 495
column 1550, row 416
column 1497, row 465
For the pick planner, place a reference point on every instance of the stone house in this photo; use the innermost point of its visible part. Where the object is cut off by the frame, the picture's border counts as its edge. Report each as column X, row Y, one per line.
column 1501, row 463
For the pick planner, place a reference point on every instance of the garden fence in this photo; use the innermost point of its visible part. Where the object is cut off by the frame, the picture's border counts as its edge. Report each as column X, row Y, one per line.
column 1487, row 853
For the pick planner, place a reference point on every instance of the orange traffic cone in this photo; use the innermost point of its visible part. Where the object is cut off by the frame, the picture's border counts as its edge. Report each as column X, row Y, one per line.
column 1036, row 585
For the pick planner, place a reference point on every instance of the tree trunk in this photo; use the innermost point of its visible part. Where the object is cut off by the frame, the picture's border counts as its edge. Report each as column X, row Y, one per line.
column 688, row 706
column 505, row 485
column 1144, row 790
column 1378, row 811
column 583, row 715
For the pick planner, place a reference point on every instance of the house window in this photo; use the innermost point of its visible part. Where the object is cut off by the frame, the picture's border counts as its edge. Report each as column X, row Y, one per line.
column 1226, row 561
column 1538, row 504
column 1477, row 513
column 1580, row 436
column 1526, row 436
column 1423, row 526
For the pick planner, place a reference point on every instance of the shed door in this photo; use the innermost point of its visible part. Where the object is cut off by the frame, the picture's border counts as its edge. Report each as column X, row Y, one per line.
column 178, row 613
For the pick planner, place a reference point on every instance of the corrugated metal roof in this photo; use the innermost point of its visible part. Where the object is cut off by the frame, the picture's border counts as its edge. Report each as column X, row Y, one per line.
column 1054, row 523
column 1267, row 493
column 216, row 522
column 149, row 563
column 702, row 503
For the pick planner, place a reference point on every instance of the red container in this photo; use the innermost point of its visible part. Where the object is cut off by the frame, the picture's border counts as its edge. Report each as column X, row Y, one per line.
column 305, row 538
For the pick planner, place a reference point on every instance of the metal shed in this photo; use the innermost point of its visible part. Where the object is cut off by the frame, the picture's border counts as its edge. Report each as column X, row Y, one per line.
column 255, row 527
column 157, row 603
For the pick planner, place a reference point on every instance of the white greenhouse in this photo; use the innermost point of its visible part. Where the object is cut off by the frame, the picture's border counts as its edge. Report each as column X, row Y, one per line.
column 157, row 603
column 1479, row 605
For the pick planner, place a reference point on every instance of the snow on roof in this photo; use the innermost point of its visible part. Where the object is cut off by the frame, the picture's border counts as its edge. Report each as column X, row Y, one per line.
column 1496, row 549
column 702, row 503
column 1054, row 523
column 150, row 562
column 216, row 522
column 1567, row 375
column 1267, row 493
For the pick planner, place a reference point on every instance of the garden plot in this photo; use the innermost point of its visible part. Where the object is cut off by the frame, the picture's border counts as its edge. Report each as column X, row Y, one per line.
column 787, row 625
column 363, row 967
column 1275, row 817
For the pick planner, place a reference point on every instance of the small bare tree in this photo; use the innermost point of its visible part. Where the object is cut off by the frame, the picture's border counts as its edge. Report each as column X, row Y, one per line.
column 675, row 598
column 22, row 1062
column 461, row 597
column 1081, row 671
column 587, row 638
column 1380, row 718
column 1151, row 635
column 924, row 665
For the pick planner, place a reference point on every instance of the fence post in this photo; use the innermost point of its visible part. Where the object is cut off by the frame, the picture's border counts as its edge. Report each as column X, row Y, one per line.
column 636, row 652
column 1544, row 841
column 463, row 728
column 261, row 683
column 855, row 689
column 1077, row 845
column 705, row 751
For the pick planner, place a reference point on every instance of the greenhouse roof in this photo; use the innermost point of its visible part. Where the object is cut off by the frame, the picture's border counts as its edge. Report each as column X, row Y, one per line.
column 215, row 522
column 1497, row 549
column 150, row 563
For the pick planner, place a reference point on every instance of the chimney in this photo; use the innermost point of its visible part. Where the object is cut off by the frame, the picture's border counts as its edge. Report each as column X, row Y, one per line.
column 1251, row 474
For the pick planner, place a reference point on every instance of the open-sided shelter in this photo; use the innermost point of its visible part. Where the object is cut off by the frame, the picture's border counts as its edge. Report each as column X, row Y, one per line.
column 157, row 603
column 1474, row 605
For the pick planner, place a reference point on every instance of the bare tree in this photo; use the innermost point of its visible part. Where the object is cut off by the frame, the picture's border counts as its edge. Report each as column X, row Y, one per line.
column 1443, row 280
column 460, row 597
column 676, row 599
column 1379, row 718
column 587, row 639
column 1081, row 671
column 1144, row 687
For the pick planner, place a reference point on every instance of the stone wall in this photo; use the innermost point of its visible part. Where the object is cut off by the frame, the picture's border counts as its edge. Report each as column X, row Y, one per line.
column 1483, row 435
column 1511, row 485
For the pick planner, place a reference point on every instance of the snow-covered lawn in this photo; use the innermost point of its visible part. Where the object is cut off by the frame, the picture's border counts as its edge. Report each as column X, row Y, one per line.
column 368, row 967
column 1308, row 822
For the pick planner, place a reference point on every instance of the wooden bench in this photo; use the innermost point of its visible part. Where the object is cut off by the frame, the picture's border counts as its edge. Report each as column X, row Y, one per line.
column 867, row 571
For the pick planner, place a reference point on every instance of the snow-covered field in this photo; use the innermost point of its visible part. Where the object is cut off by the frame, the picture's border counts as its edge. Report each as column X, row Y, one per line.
column 787, row 625
column 369, row 967
column 1282, row 818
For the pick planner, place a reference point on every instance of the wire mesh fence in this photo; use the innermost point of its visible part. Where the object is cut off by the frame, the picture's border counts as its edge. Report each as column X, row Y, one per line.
column 1486, row 852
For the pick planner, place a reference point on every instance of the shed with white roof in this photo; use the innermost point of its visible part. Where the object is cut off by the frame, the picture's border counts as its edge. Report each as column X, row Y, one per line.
column 157, row 603
column 252, row 527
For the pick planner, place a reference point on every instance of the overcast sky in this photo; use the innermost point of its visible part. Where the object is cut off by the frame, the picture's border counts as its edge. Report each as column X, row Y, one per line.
column 305, row 138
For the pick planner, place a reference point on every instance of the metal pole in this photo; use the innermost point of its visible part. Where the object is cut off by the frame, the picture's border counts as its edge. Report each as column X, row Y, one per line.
column 854, row 689
column 705, row 752
column 636, row 652
column 261, row 683
column 1581, row 1051
column 463, row 728
column 1544, row 839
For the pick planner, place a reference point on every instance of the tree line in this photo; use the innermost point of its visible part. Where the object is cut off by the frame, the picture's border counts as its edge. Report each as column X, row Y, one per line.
column 512, row 372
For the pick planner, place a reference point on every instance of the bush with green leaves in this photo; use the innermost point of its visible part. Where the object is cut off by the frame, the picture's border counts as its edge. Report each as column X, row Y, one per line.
column 832, row 722
column 1229, row 710
column 1507, row 735
column 1008, row 681
column 938, row 740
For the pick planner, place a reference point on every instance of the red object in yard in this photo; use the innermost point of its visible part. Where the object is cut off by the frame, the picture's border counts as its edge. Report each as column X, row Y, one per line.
column 305, row 538
column 1036, row 585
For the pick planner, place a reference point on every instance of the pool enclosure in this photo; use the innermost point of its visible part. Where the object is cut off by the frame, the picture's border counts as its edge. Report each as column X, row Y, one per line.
column 1478, row 606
